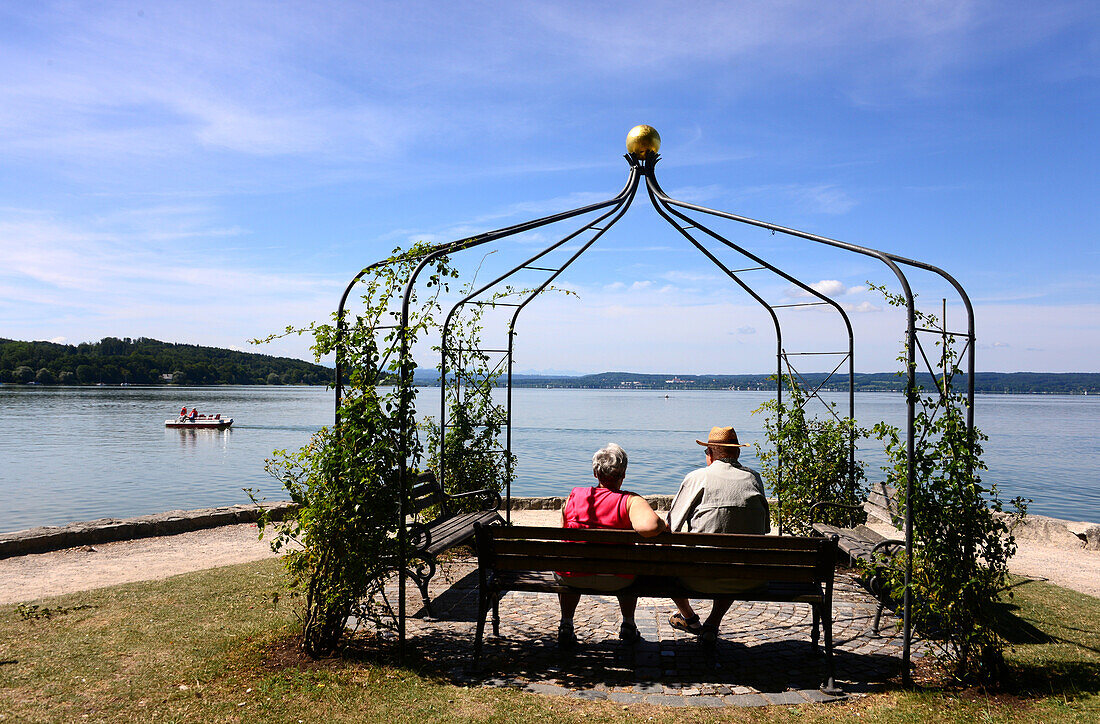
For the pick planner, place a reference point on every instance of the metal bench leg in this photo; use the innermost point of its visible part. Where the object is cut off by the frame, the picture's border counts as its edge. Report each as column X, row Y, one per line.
column 496, row 614
column 876, row 629
column 815, row 633
column 421, row 576
column 482, row 612
column 830, row 686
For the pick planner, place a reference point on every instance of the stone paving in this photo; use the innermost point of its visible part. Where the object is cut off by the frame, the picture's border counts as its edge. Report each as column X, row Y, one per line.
column 763, row 656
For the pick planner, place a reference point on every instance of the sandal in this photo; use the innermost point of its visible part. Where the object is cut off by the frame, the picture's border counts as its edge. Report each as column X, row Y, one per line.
column 708, row 636
column 688, row 625
column 629, row 634
column 567, row 639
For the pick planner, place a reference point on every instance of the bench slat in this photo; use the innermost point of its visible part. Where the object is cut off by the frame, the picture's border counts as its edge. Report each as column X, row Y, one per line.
column 696, row 540
column 670, row 553
column 459, row 529
column 658, row 568
column 654, row 587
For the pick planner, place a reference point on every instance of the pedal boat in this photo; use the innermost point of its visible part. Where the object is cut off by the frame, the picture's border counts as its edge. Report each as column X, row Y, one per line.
column 203, row 422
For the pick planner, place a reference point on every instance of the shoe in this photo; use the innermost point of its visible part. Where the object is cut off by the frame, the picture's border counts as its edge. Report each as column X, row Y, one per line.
column 567, row 639
column 688, row 625
column 628, row 633
column 708, row 636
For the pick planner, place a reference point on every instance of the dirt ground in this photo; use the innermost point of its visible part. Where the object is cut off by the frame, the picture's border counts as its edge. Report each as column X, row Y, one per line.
column 30, row 577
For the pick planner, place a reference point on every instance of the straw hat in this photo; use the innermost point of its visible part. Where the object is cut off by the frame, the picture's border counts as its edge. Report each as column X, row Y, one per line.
column 722, row 437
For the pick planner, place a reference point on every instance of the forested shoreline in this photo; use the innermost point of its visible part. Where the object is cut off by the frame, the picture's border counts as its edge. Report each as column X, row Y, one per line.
column 143, row 361
column 1050, row 383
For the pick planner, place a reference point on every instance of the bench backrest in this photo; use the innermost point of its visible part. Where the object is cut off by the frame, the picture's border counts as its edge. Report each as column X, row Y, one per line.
column 717, row 555
column 427, row 492
column 882, row 504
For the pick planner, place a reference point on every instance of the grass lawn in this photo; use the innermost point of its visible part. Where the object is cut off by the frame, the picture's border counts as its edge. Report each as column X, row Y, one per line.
column 219, row 645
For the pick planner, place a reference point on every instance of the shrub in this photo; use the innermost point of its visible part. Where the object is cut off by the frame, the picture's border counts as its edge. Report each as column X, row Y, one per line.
column 348, row 481
column 807, row 461
column 961, row 545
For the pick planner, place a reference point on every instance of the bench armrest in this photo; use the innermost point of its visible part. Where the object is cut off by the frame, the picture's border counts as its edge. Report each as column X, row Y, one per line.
column 419, row 536
column 892, row 542
column 492, row 497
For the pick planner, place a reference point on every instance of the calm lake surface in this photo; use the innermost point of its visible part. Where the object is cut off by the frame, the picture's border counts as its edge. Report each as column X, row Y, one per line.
column 74, row 454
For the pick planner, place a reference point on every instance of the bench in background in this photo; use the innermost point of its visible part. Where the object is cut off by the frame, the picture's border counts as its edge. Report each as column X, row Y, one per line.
column 863, row 546
column 448, row 529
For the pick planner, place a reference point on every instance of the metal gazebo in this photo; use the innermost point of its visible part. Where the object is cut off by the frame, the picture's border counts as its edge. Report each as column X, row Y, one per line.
column 687, row 219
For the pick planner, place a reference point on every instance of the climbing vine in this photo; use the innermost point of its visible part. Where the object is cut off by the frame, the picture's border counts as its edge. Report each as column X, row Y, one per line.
column 347, row 482
column 962, row 542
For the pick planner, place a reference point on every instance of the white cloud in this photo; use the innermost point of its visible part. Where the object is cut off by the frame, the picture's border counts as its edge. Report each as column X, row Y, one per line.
column 861, row 308
column 84, row 282
column 828, row 287
column 59, row 340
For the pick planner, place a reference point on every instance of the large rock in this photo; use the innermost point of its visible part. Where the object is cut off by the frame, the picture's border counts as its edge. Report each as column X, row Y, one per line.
column 1088, row 532
column 1046, row 531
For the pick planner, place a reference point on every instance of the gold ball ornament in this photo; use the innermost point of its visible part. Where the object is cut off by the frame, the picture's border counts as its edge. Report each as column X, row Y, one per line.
column 643, row 141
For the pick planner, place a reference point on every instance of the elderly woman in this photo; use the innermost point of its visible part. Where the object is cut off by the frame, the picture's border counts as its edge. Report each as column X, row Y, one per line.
column 604, row 506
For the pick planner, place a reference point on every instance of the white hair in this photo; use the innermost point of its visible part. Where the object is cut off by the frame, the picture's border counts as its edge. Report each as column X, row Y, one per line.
column 609, row 462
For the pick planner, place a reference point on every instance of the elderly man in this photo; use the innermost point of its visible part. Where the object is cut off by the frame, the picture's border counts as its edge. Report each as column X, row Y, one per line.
column 723, row 497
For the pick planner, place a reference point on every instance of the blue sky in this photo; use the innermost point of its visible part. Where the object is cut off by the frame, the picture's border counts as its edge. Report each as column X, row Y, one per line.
column 211, row 172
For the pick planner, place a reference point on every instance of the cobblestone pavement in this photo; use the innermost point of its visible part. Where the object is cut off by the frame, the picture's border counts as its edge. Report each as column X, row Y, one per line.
column 763, row 656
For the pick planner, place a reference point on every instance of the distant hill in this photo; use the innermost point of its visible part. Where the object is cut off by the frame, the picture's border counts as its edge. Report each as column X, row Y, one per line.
column 145, row 361
column 1073, row 383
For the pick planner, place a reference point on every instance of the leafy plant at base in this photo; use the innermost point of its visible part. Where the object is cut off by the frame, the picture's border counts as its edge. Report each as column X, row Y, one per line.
column 806, row 461
column 962, row 539
column 347, row 482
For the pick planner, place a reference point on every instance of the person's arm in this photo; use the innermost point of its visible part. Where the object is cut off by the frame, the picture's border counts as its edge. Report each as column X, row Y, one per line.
column 684, row 504
column 645, row 522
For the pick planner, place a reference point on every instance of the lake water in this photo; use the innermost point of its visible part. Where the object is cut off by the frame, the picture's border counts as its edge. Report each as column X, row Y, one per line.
column 74, row 454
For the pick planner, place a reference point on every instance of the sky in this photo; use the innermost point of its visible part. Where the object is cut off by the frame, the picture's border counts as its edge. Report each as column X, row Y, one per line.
column 211, row 172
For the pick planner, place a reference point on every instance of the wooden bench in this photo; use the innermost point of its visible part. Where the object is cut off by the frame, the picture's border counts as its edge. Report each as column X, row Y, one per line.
column 863, row 545
column 448, row 530
column 797, row 570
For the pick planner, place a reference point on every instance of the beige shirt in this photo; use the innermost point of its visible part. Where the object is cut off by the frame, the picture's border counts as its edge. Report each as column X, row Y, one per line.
column 723, row 497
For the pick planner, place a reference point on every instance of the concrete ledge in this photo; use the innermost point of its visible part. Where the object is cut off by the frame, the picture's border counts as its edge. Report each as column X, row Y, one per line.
column 657, row 502
column 1037, row 528
column 106, row 530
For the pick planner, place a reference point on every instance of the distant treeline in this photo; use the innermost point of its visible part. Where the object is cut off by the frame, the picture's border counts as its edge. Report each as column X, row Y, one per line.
column 1075, row 383
column 144, row 361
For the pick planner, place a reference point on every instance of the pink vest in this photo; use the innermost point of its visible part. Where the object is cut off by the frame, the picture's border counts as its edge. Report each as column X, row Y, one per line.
column 593, row 507
column 597, row 508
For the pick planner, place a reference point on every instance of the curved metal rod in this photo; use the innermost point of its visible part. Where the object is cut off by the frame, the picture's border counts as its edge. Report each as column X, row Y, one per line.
column 892, row 260
column 435, row 252
column 657, row 194
column 406, row 372
column 911, row 380
column 622, row 202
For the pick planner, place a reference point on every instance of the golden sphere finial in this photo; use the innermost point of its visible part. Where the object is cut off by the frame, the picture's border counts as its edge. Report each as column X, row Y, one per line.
column 643, row 141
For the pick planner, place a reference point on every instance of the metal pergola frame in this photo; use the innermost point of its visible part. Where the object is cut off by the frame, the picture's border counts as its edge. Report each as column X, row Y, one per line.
column 693, row 230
